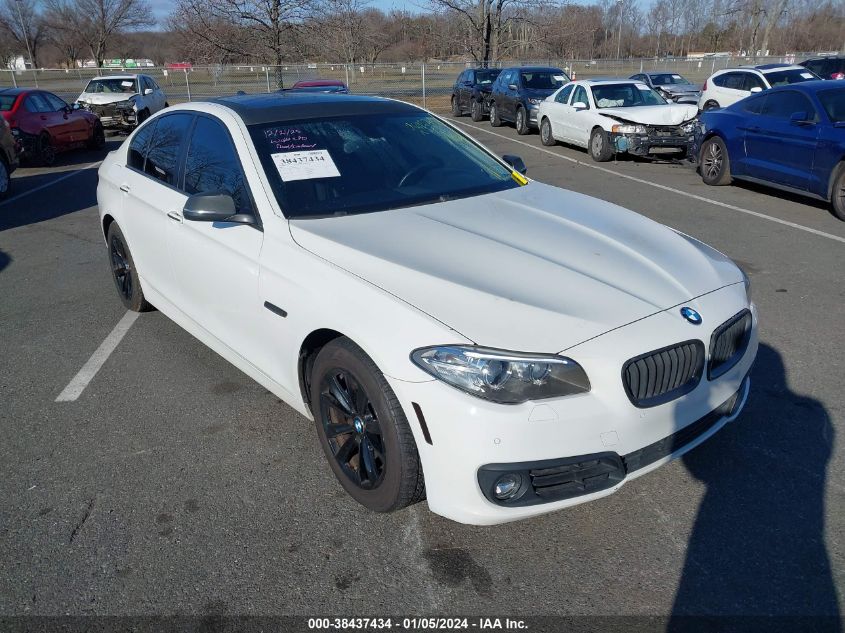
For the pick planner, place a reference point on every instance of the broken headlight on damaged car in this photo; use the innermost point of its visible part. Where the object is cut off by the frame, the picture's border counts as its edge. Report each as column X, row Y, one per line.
column 629, row 129
column 501, row 376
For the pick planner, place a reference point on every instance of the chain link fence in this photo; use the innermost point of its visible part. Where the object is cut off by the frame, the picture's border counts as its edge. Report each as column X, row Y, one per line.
column 428, row 85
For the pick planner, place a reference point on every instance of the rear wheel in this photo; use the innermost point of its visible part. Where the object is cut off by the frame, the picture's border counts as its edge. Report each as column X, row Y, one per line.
column 124, row 273
column 600, row 149
column 837, row 196
column 715, row 163
column 45, row 153
column 710, row 105
column 5, row 179
column 495, row 121
column 363, row 430
column 546, row 136
column 522, row 122
column 476, row 111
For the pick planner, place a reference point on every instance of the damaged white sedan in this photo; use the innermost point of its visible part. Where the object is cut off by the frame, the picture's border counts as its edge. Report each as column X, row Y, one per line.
column 612, row 116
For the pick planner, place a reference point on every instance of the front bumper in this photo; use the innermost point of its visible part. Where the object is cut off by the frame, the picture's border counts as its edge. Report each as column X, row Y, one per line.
column 469, row 435
column 653, row 142
column 112, row 116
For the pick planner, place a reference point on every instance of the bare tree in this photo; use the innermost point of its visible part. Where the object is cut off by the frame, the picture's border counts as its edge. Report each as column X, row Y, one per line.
column 97, row 22
column 21, row 21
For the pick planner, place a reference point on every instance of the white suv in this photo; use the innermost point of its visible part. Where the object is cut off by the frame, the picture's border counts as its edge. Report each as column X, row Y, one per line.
column 123, row 101
column 728, row 86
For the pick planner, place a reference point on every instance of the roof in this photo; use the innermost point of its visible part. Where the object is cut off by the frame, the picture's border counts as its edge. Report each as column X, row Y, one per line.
column 15, row 91
column 763, row 68
column 533, row 68
column 771, row 66
column 288, row 106
column 313, row 83
column 608, row 80
column 814, row 85
column 123, row 76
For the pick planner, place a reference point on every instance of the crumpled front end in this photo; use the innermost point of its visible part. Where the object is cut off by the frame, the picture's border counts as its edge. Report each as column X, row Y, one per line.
column 643, row 140
column 114, row 115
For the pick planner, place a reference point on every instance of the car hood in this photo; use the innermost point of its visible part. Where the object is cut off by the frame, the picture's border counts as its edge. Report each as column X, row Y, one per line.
column 103, row 99
column 669, row 114
column 534, row 268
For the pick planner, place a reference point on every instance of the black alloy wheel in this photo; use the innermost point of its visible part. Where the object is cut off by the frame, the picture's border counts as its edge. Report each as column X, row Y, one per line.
column 352, row 429
column 715, row 162
column 837, row 195
column 44, row 150
column 124, row 272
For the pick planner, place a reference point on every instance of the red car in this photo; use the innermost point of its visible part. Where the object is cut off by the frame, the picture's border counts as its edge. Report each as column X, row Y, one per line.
column 43, row 124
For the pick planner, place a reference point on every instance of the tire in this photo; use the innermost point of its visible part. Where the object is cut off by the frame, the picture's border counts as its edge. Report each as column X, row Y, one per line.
column 837, row 194
column 98, row 137
column 357, row 414
column 715, row 164
column 600, row 149
column 710, row 105
column 546, row 136
column 5, row 178
column 476, row 111
column 45, row 153
column 456, row 108
column 124, row 273
column 522, row 127
column 495, row 121
column 166, row 105
column 143, row 115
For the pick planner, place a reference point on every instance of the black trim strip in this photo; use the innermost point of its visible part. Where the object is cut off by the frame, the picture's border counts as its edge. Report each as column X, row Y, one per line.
column 423, row 425
column 275, row 309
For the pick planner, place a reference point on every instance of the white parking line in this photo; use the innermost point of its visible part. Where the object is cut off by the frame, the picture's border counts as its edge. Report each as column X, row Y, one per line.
column 680, row 192
column 98, row 358
column 50, row 184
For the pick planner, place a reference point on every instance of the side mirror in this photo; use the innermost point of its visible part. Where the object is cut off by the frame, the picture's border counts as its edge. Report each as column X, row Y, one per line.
column 516, row 162
column 579, row 105
column 75, row 106
column 214, row 207
column 756, row 89
column 800, row 118
column 148, row 91
column 512, row 87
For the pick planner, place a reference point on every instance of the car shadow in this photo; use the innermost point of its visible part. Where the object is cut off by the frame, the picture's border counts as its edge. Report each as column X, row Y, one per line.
column 757, row 547
column 783, row 195
column 5, row 260
column 74, row 194
column 81, row 156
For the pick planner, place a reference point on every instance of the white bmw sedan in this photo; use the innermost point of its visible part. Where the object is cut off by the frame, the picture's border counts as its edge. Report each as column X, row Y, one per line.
column 456, row 331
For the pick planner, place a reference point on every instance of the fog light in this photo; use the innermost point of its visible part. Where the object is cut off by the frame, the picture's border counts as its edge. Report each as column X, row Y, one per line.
column 507, row 486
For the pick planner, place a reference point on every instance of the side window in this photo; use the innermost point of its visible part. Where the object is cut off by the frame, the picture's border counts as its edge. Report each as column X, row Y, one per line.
column 719, row 80
column 782, row 105
column 461, row 78
column 754, row 105
column 563, row 95
column 56, row 104
column 581, row 95
column 153, row 83
column 37, row 103
column 165, row 148
column 140, row 145
column 212, row 164
column 734, row 81
column 753, row 81
column 145, row 84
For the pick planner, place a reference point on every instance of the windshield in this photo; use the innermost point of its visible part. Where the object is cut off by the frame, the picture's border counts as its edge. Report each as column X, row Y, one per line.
column 668, row 80
column 362, row 163
column 833, row 102
column 112, row 86
column 544, row 79
column 625, row 96
column 791, row 76
column 486, row 76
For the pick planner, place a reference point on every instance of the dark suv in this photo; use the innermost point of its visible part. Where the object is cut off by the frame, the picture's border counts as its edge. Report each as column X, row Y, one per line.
column 471, row 90
column 832, row 67
column 517, row 93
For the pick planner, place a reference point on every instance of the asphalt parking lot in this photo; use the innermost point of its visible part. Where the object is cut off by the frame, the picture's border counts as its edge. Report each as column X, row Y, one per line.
column 176, row 485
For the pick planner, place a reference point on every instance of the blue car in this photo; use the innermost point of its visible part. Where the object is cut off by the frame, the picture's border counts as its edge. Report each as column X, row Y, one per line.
column 791, row 137
column 517, row 92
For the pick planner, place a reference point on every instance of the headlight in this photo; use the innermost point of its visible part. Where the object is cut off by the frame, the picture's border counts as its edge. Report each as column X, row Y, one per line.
column 535, row 101
column 689, row 128
column 747, row 282
column 503, row 377
column 629, row 129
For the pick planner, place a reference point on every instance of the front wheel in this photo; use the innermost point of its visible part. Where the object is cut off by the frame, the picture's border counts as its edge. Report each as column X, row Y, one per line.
column 546, row 136
column 522, row 122
column 495, row 121
column 124, row 273
column 600, row 149
column 476, row 111
column 363, row 430
column 715, row 162
column 45, row 153
column 98, row 137
column 837, row 195
column 456, row 107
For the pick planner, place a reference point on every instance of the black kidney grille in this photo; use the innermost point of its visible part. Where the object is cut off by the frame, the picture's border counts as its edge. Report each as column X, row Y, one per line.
column 728, row 344
column 664, row 374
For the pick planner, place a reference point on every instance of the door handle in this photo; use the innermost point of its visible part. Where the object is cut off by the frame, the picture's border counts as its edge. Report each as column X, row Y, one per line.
column 124, row 188
column 175, row 215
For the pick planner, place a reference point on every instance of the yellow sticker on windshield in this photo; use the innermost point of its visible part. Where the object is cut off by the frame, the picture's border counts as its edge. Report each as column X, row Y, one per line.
column 522, row 180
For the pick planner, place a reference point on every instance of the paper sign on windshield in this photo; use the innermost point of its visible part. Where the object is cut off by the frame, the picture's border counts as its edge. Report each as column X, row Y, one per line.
column 806, row 75
column 559, row 78
column 126, row 84
column 315, row 163
column 644, row 88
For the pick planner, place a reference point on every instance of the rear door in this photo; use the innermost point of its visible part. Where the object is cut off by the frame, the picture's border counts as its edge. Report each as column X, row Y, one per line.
column 731, row 87
column 150, row 186
column 216, row 264
column 465, row 88
column 580, row 120
column 511, row 95
column 778, row 149
column 560, row 114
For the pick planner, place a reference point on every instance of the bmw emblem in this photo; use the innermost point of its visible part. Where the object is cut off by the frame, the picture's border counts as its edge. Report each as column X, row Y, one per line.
column 691, row 315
